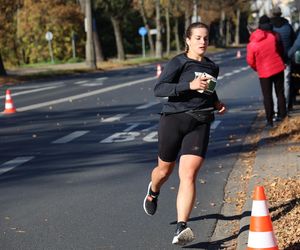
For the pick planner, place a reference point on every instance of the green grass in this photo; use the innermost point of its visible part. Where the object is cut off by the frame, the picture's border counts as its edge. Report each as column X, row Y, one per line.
column 66, row 68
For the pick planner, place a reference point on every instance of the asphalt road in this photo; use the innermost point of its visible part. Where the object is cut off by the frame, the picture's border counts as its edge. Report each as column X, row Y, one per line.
column 77, row 156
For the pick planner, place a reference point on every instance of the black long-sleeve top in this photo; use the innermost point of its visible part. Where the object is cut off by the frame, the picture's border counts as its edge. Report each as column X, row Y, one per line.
column 174, row 83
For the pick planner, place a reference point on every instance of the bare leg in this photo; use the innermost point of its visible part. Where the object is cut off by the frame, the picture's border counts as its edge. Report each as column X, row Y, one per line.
column 188, row 169
column 161, row 173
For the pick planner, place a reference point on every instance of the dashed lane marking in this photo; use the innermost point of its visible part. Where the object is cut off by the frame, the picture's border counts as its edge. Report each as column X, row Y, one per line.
column 215, row 124
column 101, row 78
column 147, row 105
column 93, row 84
column 70, row 137
column 81, row 82
column 9, row 165
column 114, row 118
column 31, row 91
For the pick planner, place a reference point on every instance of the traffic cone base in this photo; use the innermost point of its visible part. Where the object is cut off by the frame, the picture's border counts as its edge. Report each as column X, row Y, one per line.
column 9, row 105
column 261, row 235
column 269, row 248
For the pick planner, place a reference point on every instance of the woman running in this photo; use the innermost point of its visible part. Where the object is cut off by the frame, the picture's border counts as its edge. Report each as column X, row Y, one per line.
column 188, row 80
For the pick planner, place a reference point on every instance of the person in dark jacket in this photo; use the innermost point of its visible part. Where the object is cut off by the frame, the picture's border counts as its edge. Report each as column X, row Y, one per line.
column 263, row 55
column 188, row 80
column 287, row 37
column 294, row 55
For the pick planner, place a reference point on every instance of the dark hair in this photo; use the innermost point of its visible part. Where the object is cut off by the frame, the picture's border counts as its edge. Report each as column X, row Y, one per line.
column 265, row 23
column 276, row 11
column 188, row 32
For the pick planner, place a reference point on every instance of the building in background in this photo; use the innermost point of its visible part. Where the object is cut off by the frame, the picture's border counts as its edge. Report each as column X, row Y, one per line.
column 261, row 7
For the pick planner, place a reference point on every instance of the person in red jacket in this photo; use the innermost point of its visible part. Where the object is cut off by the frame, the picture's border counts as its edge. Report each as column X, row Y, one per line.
column 264, row 56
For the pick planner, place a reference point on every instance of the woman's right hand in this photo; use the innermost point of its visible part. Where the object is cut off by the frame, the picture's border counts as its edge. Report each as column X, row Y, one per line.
column 199, row 83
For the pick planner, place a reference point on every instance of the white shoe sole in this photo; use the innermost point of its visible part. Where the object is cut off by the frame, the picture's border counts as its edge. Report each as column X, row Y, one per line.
column 144, row 204
column 185, row 237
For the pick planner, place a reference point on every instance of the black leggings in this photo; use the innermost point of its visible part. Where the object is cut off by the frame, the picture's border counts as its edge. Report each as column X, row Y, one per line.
column 266, row 87
column 181, row 131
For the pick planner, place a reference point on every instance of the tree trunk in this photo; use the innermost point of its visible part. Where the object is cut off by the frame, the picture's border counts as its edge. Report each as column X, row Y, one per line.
column 237, row 27
column 227, row 37
column 168, row 29
column 221, row 29
column 97, row 43
column 187, row 17
column 177, row 35
column 142, row 12
column 2, row 69
column 118, row 37
column 158, row 49
column 82, row 5
column 90, row 51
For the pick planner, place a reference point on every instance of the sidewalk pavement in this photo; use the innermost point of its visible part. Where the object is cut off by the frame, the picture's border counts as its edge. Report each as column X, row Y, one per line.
column 263, row 158
column 273, row 159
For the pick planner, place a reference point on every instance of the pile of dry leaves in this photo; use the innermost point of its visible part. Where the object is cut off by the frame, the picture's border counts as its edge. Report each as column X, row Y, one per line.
column 284, row 194
column 284, row 201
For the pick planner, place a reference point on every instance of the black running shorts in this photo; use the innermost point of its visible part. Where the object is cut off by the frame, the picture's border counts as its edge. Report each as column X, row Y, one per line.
column 181, row 132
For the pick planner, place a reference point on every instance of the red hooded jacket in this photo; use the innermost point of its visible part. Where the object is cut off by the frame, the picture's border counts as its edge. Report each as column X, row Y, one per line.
column 263, row 53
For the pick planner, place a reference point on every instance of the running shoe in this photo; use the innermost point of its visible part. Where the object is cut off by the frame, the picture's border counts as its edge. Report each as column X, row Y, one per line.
column 183, row 235
column 150, row 202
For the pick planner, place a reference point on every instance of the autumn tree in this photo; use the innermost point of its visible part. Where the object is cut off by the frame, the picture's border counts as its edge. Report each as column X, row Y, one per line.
column 96, row 35
column 2, row 69
column 146, row 9
column 116, row 10
column 177, row 10
column 62, row 18
column 8, row 39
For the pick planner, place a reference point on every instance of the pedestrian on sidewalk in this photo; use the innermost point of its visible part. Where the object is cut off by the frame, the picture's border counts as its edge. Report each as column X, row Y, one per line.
column 287, row 36
column 264, row 56
column 294, row 55
column 188, row 80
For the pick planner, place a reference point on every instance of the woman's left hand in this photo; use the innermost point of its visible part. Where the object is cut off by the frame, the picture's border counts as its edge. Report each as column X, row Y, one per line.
column 220, row 107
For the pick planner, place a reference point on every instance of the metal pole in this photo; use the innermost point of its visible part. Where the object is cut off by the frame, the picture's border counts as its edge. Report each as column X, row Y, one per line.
column 143, row 44
column 73, row 45
column 51, row 52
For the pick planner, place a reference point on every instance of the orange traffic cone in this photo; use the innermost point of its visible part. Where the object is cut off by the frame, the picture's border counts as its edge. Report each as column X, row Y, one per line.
column 238, row 54
column 261, row 235
column 158, row 71
column 9, row 105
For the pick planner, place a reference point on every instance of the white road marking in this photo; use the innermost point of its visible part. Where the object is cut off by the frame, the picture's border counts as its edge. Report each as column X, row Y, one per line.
column 117, row 117
column 121, row 137
column 81, row 82
column 152, row 137
column 228, row 74
column 9, row 165
column 87, row 94
column 134, row 125
column 147, row 105
column 101, row 78
column 236, row 71
column 70, row 137
column 93, row 84
column 233, row 72
column 31, row 91
column 245, row 68
column 215, row 124
column 154, row 127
